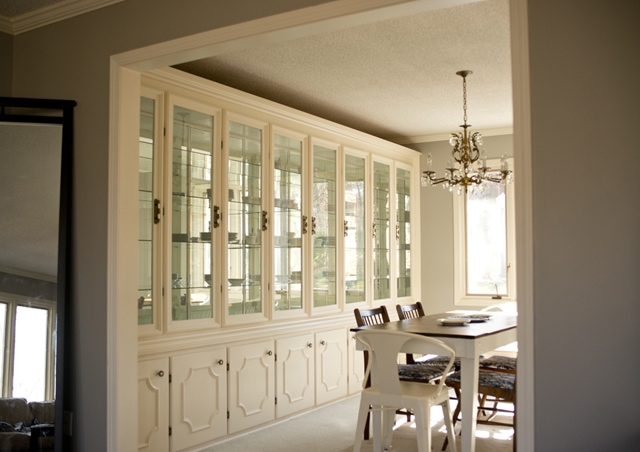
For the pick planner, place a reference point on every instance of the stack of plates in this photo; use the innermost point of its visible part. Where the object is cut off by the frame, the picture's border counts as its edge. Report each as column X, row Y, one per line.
column 458, row 320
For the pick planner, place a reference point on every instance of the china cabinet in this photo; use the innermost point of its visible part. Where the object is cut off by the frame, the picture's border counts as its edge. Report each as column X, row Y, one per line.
column 261, row 228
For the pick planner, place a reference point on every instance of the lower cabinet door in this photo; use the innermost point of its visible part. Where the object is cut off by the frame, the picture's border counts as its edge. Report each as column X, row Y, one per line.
column 295, row 374
column 356, row 366
column 198, row 398
column 251, row 385
column 153, row 405
column 331, row 365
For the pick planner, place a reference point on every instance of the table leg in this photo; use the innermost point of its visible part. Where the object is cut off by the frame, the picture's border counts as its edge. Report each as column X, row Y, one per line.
column 469, row 384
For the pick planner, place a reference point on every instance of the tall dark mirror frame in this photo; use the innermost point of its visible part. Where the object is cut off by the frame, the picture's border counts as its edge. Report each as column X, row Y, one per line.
column 35, row 115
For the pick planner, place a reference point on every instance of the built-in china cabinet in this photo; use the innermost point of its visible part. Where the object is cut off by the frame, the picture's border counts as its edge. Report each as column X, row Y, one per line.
column 261, row 228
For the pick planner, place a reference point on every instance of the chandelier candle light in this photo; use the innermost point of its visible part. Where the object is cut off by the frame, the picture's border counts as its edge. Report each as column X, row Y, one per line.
column 470, row 168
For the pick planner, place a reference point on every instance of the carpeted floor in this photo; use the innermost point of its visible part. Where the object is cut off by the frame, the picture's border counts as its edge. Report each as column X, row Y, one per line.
column 332, row 429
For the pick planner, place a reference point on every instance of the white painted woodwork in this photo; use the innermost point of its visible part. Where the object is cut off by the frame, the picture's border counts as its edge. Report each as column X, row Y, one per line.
column 153, row 405
column 331, row 365
column 198, row 398
column 251, row 385
column 295, row 374
column 356, row 366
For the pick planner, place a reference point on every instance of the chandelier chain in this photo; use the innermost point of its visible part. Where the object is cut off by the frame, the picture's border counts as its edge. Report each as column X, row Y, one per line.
column 464, row 99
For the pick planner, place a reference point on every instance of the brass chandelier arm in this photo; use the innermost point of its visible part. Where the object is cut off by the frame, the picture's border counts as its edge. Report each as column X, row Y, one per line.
column 466, row 152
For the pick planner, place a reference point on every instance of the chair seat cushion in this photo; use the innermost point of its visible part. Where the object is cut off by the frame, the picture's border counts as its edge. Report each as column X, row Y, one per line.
column 488, row 379
column 419, row 372
column 499, row 362
column 439, row 361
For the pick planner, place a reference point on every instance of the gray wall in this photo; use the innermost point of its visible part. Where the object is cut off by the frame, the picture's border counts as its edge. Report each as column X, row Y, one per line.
column 584, row 66
column 587, row 250
column 436, row 217
column 6, row 64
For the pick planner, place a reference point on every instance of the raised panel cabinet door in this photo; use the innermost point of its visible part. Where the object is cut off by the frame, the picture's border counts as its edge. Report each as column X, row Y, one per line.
column 331, row 365
column 356, row 366
column 295, row 374
column 198, row 398
column 251, row 385
column 153, row 405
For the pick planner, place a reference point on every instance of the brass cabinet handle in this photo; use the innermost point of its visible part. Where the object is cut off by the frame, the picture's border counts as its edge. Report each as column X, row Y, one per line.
column 216, row 216
column 156, row 211
column 265, row 220
column 313, row 225
column 346, row 228
column 305, row 224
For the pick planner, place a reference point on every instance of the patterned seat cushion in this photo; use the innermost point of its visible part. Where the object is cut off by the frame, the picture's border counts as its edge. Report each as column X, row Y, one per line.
column 499, row 362
column 419, row 372
column 488, row 379
column 438, row 361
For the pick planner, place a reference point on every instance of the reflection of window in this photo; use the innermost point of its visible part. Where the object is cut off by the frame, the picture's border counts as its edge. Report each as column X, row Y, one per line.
column 484, row 245
column 26, row 329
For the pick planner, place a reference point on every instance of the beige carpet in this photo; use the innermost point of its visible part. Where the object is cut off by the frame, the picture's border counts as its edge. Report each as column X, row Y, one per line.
column 332, row 429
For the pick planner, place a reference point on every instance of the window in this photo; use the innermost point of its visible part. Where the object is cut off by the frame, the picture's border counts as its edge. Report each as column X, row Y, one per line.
column 484, row 245
column 28, row 356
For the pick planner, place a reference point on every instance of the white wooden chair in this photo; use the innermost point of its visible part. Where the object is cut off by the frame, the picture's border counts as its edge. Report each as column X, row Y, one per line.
column 387, row 392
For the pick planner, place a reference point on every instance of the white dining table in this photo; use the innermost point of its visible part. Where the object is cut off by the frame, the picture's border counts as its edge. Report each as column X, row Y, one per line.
column 469, row 342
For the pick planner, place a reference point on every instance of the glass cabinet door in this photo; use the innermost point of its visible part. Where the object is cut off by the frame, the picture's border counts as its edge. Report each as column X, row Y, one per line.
column 287, row 223
column 146, row 214
column 403, row 232
column 355, row 253
column 245, row 219
column 323, row 226
column 381, row 233
column 191, row 214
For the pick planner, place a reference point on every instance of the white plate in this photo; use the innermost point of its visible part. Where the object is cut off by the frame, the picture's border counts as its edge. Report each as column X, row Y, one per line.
column 453, row 321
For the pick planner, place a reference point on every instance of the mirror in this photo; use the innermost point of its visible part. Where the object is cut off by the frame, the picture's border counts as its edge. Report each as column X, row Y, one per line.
column 35, row 145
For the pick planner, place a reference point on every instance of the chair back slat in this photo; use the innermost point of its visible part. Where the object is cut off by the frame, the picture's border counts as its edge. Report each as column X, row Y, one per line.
column 374, row 316
column 410, row 311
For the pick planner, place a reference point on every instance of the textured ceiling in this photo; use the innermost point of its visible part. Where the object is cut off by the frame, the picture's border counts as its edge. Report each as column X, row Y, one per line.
column 392, row 79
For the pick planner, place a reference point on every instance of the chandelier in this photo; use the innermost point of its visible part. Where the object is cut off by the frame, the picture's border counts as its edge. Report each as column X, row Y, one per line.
column 469, row 169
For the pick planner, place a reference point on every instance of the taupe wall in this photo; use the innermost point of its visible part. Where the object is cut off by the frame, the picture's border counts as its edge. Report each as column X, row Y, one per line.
column 584, row 65
column 70, row 60
column 436, row 216
column 6, row 63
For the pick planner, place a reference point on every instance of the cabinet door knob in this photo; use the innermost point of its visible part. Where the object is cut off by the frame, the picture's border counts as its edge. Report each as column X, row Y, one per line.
column 310, row 345
column 323, row 343
column 220, row 362
column 269, row 353
column 160, row 373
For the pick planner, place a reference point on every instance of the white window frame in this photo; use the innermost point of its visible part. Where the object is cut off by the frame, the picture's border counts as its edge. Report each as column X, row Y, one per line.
column 13, row 301
column 461, row 298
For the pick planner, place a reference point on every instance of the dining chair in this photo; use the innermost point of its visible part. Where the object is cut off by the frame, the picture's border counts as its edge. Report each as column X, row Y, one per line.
column 407, row 372
column 388, row 392
column 497, row 383
column 414, row 311
column 498, row 362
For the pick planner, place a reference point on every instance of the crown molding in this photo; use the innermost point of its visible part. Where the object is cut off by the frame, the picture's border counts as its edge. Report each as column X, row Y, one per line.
column 446, row 136
column 50, row 14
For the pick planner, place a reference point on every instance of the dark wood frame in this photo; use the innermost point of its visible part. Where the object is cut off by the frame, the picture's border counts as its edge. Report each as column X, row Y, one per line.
column 49, row 111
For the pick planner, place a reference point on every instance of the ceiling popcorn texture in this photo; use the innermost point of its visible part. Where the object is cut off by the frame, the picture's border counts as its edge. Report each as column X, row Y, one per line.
column 391, row 79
